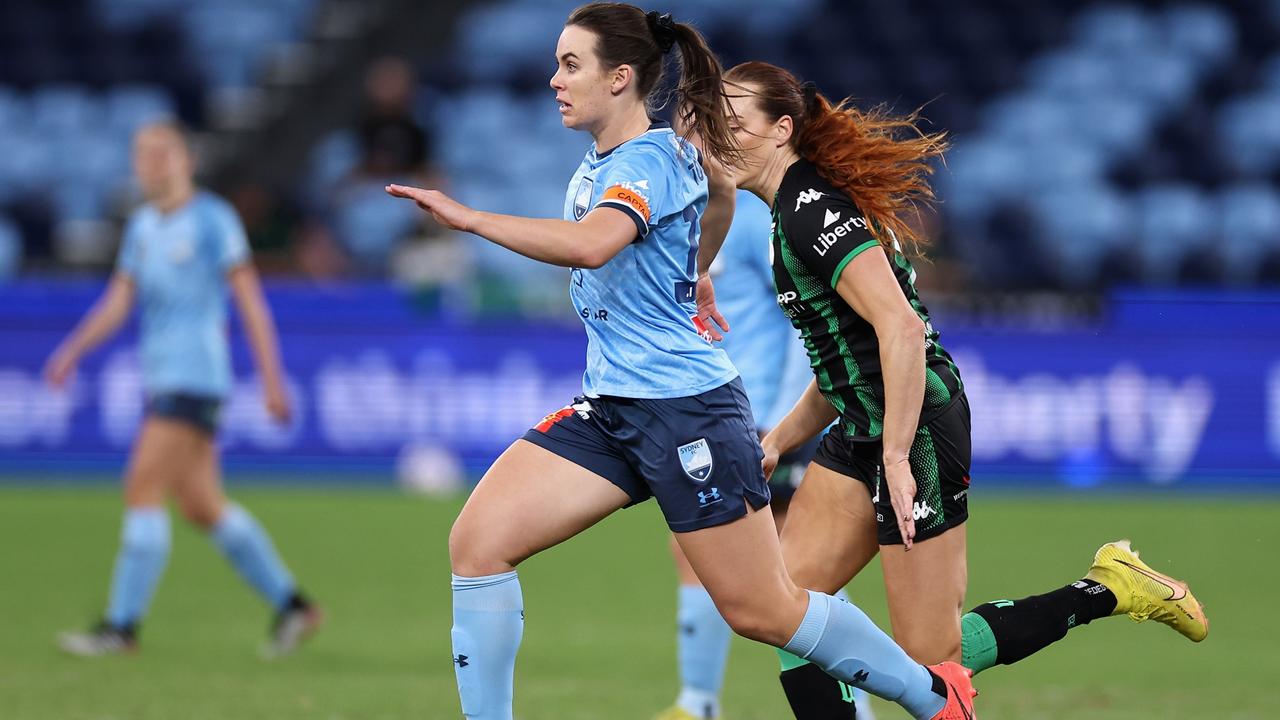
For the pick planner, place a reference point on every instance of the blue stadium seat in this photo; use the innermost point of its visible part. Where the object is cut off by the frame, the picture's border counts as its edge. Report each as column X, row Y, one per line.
column 15, row 112
column 1171, row 220
column 369, row 223
column 96, row 159
column 1056, row 165
column 1202, row 32
column 981, row 173
column 1070, row 74
column 1079, row 226
column 1114, row 28
column 1249, row 134
column 26, row 162
column 77, row 199
column 1117, row 122
column 498, row 40
column 1163, row 77
column 230, row 39
column 1250, row 226
column 64, row 109
column 129, row 107
column 332, row 160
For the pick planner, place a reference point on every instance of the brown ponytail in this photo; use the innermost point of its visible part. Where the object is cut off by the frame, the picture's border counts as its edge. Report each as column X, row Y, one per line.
column 626, row 35
column 881, row 161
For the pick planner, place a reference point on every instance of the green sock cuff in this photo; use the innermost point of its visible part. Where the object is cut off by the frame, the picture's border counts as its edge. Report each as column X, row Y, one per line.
column 789, row 661
column 977, row 643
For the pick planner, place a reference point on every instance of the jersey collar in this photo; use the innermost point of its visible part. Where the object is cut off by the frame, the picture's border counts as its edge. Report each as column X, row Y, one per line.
column 653, row 125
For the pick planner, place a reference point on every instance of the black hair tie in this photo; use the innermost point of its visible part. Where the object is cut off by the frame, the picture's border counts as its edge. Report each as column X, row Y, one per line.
column 663, row 29
column 810, row 93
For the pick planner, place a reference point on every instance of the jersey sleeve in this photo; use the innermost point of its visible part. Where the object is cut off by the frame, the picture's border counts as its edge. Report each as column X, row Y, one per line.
column 129, row 258
column 229, row 244
column 638, row 186
column 826, row 231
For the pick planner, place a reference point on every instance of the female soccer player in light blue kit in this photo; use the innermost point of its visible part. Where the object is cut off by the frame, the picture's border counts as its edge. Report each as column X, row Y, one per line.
column 181, row 252
column 663, row 413
column 774, row 369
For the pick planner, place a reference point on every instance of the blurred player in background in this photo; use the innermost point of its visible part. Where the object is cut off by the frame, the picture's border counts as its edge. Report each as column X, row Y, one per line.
column 892, row 477
column 663, row 413
column 180, row 254
column 774, row 369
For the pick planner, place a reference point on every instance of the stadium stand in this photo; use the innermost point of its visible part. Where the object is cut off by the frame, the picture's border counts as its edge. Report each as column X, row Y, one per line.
column 1094, row 144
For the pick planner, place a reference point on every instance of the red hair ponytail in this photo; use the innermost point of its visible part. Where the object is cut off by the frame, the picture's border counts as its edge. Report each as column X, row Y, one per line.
column 881, row 161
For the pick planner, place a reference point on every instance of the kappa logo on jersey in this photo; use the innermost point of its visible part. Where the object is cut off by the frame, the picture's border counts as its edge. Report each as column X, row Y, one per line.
column 629, row 194
column 921, row 510
column 829, row 218
column 827, row 239
column 695, row 458
column 582, row 198
column 806, row 197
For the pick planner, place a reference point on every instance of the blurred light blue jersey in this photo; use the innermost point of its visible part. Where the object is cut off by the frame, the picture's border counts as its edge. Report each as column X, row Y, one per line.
column 638, row 308
column 179, row 263
column 761, row 341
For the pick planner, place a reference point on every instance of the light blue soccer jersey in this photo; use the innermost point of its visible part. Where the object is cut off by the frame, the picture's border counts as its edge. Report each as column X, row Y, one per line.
column 179, row 263
column 761, row 342
column 638, row 307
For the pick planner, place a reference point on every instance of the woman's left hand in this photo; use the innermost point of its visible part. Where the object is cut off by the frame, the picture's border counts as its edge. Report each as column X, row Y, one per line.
column 902, row 495
column 276, row 401
column 707, row 312
column 446, row 211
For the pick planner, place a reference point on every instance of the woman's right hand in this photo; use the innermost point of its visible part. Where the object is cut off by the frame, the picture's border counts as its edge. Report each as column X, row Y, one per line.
column 446, row 211
column 60, row 367
column 771, row 455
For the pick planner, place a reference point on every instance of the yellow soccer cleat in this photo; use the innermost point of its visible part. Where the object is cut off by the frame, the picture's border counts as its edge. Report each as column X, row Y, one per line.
column 1144, row 594
column 675, row 712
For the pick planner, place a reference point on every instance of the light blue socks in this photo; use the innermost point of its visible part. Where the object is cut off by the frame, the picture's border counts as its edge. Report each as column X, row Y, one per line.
column 702, row 645
column 144, row 551
column 488, row 622
column 249, row 550
column 839, row 638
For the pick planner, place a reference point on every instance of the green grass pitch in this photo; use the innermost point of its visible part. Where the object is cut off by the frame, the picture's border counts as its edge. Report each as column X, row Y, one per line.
column 599, row 641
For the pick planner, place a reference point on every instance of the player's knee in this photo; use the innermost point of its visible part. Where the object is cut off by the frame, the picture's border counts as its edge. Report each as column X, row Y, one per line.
column 475, row 554
column 806, row 573
column 203, row 515
column 753, row 621
column 143, row 488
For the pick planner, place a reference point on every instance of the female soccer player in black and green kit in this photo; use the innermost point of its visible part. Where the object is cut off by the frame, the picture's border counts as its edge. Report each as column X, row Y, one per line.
column 892, row 477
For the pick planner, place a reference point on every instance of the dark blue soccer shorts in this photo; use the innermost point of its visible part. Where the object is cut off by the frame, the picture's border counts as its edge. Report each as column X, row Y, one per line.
column 697, row 455
column 200, row 411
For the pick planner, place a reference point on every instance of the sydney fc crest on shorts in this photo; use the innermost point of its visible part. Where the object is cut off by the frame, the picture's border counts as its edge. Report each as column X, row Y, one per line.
column 582, row 198
column 695, row 458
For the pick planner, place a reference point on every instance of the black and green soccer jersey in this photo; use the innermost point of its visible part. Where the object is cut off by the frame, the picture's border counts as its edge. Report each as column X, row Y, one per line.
column 817, row 231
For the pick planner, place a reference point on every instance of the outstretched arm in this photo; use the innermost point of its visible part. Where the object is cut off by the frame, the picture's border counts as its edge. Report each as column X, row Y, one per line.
column 589, row 243
column 101, row 322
